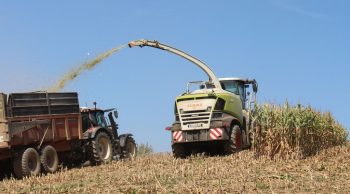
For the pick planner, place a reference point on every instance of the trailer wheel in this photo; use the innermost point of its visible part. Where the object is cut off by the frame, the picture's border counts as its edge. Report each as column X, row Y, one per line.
column 130, row 148
column 27, row 163
column 49, row 159
column 234, row 144
column 179, row 151
column 102, row 150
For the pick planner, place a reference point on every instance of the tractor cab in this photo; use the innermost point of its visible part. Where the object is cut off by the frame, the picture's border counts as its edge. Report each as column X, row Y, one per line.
column 95, row 117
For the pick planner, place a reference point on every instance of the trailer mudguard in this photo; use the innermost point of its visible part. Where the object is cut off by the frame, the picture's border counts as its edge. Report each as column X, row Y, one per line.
column 123, row 137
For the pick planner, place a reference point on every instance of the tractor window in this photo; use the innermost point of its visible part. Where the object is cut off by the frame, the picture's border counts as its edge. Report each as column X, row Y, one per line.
column 100, row 119
column 93, row 119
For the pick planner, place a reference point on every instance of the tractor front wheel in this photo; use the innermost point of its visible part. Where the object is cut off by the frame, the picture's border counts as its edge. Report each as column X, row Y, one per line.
column 130, row 149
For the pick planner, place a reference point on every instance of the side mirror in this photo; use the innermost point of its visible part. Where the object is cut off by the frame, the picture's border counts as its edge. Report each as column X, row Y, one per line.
column 255, row 88
column 115, row 114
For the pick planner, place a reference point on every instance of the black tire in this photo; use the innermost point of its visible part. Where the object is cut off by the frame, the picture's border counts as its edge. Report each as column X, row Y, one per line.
column 234, row 144
column 49, row 159
column 179, row 151
column 27, row 163
column 101, row 149
column 130, row 148
column 5, row 169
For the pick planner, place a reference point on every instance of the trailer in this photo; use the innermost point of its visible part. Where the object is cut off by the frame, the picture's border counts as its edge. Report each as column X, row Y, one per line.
column 38, row 131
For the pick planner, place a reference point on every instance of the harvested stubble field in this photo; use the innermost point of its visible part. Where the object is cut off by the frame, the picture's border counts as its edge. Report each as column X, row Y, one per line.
column 326, row 172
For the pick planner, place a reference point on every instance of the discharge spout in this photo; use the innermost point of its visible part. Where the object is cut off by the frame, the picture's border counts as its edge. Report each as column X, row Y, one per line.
column 155, row 44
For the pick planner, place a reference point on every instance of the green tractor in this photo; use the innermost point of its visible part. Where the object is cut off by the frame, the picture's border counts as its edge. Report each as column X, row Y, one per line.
column 215, row 117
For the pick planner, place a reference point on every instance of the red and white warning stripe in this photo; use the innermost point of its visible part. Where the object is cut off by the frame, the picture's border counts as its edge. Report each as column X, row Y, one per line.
column 177, row 136
column 216, row 133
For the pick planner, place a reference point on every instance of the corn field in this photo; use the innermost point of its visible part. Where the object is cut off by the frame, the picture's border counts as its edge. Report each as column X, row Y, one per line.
column 294, row 131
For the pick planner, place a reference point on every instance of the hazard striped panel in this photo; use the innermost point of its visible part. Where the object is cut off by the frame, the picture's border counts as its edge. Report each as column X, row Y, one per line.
column 216, row 133
column 177, row 136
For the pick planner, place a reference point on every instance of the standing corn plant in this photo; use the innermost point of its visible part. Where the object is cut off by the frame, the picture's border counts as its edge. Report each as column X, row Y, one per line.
column 294, row 131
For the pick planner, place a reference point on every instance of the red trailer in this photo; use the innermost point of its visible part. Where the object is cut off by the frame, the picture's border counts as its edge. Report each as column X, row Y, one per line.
column 40, row 130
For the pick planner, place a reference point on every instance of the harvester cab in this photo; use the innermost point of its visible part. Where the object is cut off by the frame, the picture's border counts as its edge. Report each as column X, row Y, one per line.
column 245, row 88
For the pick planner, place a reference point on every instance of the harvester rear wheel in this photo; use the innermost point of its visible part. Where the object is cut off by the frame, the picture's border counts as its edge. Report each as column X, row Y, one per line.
column 101, row 149
column 27, row 163
column 130, row 148
column 49, row 159
column 179, row 151
column 234, row 144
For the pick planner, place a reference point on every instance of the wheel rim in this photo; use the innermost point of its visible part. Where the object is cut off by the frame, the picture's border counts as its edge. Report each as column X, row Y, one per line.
column 32, row 163
column 49, row 159
column 104, row 148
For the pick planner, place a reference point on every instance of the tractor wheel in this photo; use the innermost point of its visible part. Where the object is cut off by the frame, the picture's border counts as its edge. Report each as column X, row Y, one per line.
column 49, row 159
column 179, row 151
column 27, row 163
column 234, row 144
column 130, row 148
column 101, row 149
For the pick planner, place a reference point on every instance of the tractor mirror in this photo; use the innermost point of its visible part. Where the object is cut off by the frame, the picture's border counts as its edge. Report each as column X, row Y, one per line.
column 115, row 114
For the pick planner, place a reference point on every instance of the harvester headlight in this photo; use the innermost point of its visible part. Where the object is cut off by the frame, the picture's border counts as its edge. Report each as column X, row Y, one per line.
column 181, row 111
column 209, row 109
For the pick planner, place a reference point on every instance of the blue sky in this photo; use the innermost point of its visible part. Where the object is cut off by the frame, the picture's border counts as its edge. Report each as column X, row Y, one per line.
column 296, row 49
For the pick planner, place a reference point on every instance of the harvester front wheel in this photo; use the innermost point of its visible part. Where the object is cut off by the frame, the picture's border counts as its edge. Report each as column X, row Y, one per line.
column 234, row 144
column 130, row 148
column 101, row 149
column 27, row 163
column 49, row 159
column 179, row 151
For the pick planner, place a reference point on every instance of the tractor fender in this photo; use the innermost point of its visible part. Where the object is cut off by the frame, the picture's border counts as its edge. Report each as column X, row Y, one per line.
column 91, row 133
column 123, row 137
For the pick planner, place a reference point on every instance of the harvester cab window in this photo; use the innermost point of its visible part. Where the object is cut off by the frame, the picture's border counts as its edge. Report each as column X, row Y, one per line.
column 241, row 89
column 235, row 87
column 231, row 87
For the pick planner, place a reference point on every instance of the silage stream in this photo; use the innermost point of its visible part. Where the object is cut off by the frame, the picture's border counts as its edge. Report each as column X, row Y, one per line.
column 86, row 66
